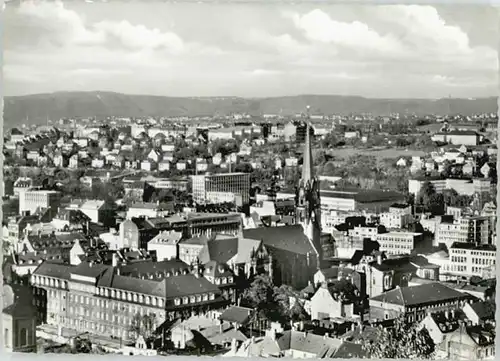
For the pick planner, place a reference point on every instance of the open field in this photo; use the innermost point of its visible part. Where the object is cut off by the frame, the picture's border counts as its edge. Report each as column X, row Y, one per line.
column 379, row 153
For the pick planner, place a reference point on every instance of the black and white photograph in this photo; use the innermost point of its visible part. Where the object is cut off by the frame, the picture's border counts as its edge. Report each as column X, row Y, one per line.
column 249, row 179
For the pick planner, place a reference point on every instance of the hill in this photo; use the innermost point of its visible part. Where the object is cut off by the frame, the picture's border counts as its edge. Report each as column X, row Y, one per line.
column 32, row 109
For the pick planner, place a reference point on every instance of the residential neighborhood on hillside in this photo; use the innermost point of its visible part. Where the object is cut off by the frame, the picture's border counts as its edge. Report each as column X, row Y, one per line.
column 244, row 226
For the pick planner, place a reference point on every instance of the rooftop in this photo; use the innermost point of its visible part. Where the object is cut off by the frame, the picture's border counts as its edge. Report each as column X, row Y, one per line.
column 422, row 294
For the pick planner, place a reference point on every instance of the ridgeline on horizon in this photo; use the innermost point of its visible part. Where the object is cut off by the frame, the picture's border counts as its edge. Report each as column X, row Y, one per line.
column 31, row 109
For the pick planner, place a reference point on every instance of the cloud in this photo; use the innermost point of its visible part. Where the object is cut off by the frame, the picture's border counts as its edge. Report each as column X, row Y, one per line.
column 267, row 51
column 319, row 26
column 68, row 27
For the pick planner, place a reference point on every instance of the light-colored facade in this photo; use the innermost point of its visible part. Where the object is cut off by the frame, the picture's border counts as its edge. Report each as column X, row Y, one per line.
column 395, row 220
column 30, row 201
column 209, row 187
column 469, row 260
column 398, row 242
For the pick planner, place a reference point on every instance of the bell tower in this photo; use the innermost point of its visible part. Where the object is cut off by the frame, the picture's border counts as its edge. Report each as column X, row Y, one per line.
column 307, row 199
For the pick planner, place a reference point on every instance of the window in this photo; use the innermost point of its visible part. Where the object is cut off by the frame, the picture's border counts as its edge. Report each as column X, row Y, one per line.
column 177, row 301
column 6, row 337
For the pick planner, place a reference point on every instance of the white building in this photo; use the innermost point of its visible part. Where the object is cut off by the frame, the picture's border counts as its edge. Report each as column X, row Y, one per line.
column 469, row 260
column 32, row 200
column 398, row 242
column 165, row 244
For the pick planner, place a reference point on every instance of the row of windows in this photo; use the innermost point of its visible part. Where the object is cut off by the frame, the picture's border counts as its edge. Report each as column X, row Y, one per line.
column 483, row 261
column 194, row 299
column 483, row 253
column 458, row 259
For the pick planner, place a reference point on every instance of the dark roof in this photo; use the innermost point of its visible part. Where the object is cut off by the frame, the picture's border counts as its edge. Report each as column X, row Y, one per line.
column 350, row 350
column 421, row 294
column 55, row 270
column 236, row 314
column 484, row 310
column 363, row 195
column 144, row 268
column 220, row 249
column 289, row 238
column 459, row 132
column 422, row 262
column 400, row 264
column 473, row 246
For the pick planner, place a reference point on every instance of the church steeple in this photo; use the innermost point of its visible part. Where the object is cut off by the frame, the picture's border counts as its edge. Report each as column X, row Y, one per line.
column 307, row 164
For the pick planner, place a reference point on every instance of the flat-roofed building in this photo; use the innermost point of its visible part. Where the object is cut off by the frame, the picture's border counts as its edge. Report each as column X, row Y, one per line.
column 398, row 242
column 209, row 187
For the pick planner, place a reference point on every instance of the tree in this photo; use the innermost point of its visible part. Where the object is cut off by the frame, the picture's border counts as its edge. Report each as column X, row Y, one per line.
column 143, row 325
column 403, row 340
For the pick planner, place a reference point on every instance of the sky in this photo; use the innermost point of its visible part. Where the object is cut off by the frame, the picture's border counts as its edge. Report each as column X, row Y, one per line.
column 251, row 50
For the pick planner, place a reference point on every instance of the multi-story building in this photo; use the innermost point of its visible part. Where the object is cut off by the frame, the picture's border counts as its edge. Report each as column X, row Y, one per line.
column 213, row 188
column 415, row 301
column 32, row 200
column 398, row 242
column 468, row 259
column 465, row 230
column 460, row 185
column 395, row 220
column 348, row 200
column 98, row 299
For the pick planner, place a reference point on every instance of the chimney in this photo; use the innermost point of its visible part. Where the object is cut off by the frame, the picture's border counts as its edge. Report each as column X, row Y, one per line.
column 117, row 271
column 91, row 263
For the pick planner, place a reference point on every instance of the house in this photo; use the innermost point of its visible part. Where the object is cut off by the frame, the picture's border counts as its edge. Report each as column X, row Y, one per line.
column 336, row 300
column 154, row 155
column 471, row 342
column 401, row 162
column 201, row 165
column 164, row 165
column 97, row 163
column 148, row 165
column 181, row 165
column 480, row 312
column 74, row 161
column 165, row 245
column 441, row 324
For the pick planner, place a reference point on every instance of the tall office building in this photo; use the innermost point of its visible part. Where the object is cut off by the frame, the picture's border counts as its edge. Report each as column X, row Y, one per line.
column 220, row 188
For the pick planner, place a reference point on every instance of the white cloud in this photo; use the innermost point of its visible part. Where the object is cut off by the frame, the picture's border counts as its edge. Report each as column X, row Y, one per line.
column 319, row 26
column 71, row 28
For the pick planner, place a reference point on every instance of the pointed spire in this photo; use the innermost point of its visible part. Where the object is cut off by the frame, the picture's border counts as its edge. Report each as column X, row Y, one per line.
column 307, row 165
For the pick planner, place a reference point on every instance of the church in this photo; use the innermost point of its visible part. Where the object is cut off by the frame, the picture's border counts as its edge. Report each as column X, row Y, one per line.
column 296, row 250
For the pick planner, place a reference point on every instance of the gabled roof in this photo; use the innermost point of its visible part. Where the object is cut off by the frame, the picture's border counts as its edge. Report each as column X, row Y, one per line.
column 55, row 270
column 307, row 342
column 236, row 314
column 484, row 310
column 289, row 238
column 421, row 294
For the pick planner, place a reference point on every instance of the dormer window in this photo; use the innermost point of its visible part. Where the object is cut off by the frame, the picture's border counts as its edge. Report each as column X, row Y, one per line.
column 212, row 296
column 185, row 300
column 177, row 301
